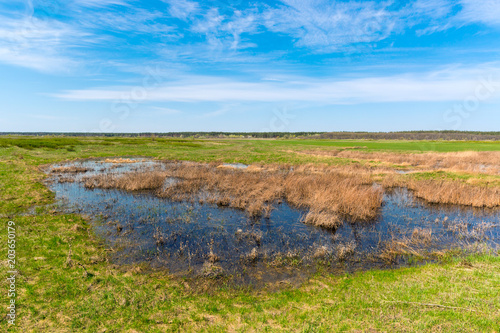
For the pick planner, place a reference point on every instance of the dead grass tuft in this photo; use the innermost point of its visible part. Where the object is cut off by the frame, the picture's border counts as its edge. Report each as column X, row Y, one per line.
column 69, row 169
column 321, row 252
column 487, row 162
column 342, row 251
column 464, row 231
column 159, row 237
column 252, row 236
column 212, row 257
column 420, row 240
column 330, row 194
column 421, row 236
column 252, row 256
column 121, row 160
column 448, row 192
column 134, row 181
column 210, row 270
column 323, row 219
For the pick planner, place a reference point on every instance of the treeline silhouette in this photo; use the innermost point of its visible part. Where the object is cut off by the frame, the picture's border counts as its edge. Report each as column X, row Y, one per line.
column 414, row 135
column 404, row 135
column 262, row 135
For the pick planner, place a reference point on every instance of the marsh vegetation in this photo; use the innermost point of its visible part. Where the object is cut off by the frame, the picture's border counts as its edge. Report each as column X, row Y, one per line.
column 249, row 221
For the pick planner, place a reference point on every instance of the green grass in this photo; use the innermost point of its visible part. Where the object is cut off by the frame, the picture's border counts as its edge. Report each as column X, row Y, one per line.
column 57, row 297
column 391, row 145
column 29, row 143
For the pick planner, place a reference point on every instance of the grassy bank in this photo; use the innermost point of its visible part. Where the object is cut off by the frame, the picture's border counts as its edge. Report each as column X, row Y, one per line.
column 66, row 283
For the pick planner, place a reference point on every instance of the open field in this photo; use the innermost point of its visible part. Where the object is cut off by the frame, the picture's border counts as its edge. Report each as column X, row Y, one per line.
column 67, row 283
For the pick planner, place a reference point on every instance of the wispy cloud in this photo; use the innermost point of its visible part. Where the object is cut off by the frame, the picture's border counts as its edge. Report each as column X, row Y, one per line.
column 330, row 25
column 220, row 112
column 37, row 44
column 225, row 31
column 182, row 9
column 441, row 15
column 100, row 3
column 484, row 11
column 444, row 85
column 431, row 8
column 67, row 34
column 133, row 21
column 165, row 111
column 62, row 37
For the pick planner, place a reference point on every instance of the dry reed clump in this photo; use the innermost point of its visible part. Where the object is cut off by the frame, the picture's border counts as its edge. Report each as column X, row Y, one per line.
column 252, row 236
column 159, row 237
column 334, row 193
column 66, row 180
column 458, row 228
column 252, row 256
column 321, row 252
column 327, row 194
column 210, row 270
column 468, row 161
column 323, row 219
column 212, row 257
column 134, row 181
column 342, row 251
column 253, row 192
column 476, row 233
column 421, row 236
column 414, row 245
column 70, row 169
column 330, row 193
column 121, row 160
column 448, row 192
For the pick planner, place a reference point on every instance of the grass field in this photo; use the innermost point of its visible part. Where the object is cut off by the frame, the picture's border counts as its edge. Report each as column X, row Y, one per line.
column 88, row 293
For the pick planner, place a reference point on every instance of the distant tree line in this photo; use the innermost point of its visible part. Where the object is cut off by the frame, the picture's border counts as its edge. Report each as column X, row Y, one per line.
column 404, row 135
column 263, row 135
column 414, row 135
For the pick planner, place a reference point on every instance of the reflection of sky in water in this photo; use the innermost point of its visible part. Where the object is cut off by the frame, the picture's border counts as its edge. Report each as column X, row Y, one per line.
column 190, row 230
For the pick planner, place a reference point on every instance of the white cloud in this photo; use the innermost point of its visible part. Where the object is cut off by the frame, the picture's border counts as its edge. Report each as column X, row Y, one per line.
column 330, row 25
column 240, row 23
column 182, row 9
column 37, row 44
column 484, row 11
column 444, row 85
column 210, row 23
column 434, row 9
column 100, row 3
column 165, row 111
column 134, row 21
column 316, row 25
column 32, row 38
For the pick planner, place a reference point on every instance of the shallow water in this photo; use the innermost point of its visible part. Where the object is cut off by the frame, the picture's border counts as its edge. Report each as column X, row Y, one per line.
column 236, row 165
column 194, row 239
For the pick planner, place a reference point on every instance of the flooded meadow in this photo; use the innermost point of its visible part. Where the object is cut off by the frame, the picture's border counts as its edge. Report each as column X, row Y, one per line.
column 195, row 235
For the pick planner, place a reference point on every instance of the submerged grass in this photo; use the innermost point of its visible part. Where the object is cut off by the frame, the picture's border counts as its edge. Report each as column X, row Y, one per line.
column 91, row 295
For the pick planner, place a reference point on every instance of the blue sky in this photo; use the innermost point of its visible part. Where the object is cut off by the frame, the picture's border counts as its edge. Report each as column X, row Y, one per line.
column 291, row 65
